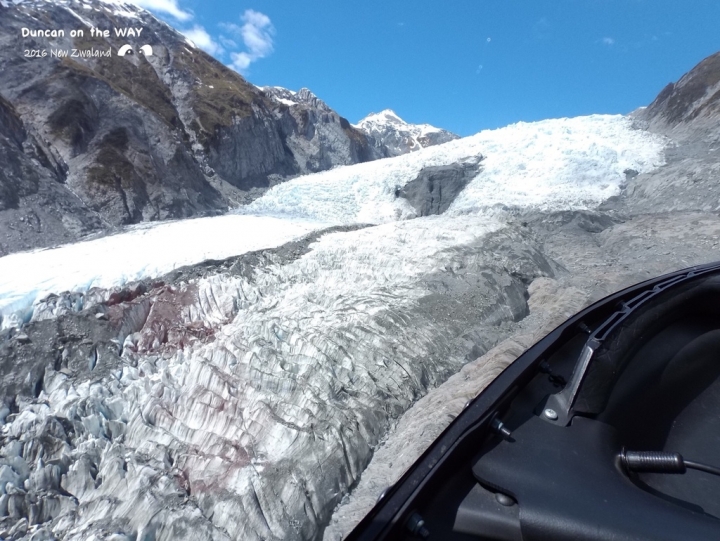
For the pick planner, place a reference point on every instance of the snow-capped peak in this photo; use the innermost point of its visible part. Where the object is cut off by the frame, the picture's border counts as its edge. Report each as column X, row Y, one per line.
column 290, row 97
column 388, row 116
column 383, row 117
column 399, row 136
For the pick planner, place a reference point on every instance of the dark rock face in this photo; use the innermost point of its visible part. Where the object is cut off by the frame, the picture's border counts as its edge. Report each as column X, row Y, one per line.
column 315, row 131
column 249, row 151
column 136, row 138
column 17, row 163
column 435, row 188
column 695, row 96
column 36, row 208
column 112, row 121
column 688, row 112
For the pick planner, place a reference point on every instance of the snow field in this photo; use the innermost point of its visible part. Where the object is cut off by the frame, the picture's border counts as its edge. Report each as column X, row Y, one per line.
column 143, row 252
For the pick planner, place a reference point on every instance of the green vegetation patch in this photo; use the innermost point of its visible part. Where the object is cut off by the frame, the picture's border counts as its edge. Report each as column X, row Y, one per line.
column 140, row 83
column 218, row 95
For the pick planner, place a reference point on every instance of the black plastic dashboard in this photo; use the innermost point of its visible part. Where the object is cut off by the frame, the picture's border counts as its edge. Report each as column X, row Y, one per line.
column 506, row 470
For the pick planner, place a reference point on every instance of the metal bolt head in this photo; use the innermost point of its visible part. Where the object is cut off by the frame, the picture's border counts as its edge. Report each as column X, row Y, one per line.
column 504, row 499
column 550, row 414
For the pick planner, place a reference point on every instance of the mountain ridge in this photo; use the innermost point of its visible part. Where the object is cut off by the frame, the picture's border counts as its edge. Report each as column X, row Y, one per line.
column 693, row 100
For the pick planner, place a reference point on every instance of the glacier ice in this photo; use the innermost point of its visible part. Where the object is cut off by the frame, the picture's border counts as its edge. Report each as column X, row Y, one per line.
column 145, row 251
column 566, row 163
column 257, row 430
column 556, row 164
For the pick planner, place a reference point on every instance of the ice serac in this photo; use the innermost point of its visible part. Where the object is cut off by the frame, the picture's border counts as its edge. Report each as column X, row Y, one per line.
column 552, row 164
column 388, row 130
column 242, row 399
column 144, row 138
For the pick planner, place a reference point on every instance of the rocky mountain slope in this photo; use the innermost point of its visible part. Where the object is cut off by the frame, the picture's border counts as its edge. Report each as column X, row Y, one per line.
column 245, row 397
column 688, row 112
column 326, row 138
column 34, row 203
column 399, row 137
column 141, row 138
column 692, row 103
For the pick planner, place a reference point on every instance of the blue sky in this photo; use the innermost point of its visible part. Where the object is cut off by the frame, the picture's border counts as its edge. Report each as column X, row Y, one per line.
column 463, row 65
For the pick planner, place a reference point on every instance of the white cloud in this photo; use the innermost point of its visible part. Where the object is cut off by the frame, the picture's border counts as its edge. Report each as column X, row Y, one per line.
column 256, row 34
column 240, row 61
column 227, row 42
column 165, row 6
column 608, row 41
column 199, row 36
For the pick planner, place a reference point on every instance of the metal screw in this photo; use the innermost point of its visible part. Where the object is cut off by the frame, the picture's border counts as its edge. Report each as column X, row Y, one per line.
column 416, row 526
column 501, row 429
column 551, row 414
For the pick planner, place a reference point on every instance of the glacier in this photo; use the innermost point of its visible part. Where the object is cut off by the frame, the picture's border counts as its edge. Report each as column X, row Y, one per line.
column 567, row 163
column 257, row 432
column 242, row 398
column 144, row 251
